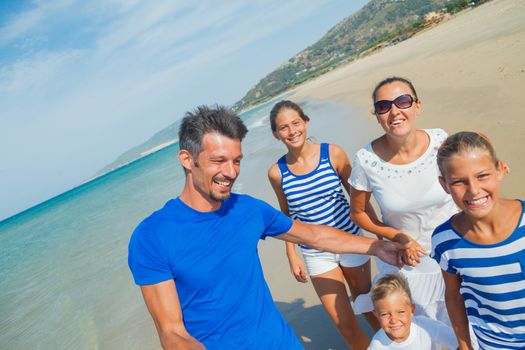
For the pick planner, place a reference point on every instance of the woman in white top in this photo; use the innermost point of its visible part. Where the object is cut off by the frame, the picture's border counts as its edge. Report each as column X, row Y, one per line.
column 399, row 168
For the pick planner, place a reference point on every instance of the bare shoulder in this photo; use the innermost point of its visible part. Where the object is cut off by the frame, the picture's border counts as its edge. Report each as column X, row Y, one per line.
column 274, row 174
column 339, row 158
column 336, row 149
column 337, row 153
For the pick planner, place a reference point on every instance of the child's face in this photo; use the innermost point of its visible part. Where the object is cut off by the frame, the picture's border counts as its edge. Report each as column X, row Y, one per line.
column 472, row 179
column 395, row 315
column 291, row 128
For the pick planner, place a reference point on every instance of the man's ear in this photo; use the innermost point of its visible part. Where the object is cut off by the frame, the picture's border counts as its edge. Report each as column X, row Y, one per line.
column 443, row 184
column 186, row 159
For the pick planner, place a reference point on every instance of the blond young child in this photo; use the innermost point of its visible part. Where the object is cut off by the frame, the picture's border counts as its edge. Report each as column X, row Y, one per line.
column 481, row 250
column 400, row 329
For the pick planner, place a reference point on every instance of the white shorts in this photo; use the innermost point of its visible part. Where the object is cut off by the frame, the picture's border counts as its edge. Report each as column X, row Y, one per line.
column 318, row 261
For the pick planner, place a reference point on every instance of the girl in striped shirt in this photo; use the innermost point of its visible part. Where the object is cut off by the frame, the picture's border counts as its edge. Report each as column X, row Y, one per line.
column 481, row 250
column 308, row 182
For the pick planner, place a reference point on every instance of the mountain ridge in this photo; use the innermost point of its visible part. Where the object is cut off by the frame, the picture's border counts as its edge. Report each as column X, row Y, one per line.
column 377, row 24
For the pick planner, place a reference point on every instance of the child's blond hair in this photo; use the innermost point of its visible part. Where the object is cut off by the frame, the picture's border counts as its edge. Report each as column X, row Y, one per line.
column 388, row 285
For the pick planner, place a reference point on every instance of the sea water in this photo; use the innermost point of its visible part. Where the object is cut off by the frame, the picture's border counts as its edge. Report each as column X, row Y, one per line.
column 64, row 281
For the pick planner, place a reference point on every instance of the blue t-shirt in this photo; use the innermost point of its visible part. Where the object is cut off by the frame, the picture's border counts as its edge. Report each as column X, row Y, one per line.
column 213, row 258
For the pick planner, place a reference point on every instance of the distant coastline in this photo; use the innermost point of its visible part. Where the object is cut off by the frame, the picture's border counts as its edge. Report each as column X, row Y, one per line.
column 141, row 155
column 90, row 181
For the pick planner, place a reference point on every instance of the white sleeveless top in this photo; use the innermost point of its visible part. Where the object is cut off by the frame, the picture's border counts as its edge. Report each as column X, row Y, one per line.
column 409, row 195
column 411, row 200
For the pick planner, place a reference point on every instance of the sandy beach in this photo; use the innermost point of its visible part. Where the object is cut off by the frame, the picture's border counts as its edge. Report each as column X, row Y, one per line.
column 470, row 75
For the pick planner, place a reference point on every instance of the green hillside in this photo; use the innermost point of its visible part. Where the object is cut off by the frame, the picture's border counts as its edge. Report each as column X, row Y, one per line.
column 379, row 22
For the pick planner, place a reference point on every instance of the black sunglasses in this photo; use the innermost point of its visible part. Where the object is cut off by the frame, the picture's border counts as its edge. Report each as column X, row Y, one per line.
column 402, row 102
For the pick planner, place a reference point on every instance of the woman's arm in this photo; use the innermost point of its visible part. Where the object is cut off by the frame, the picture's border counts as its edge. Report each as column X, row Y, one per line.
column 360, row 200
column 456, row 310
column 342, row 166
column 296, row 264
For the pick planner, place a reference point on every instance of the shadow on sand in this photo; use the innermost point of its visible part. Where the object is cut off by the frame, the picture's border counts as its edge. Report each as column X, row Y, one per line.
column 314, row 327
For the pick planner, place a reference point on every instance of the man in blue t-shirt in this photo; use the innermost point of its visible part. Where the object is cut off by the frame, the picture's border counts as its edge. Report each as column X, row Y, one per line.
column 196, row 259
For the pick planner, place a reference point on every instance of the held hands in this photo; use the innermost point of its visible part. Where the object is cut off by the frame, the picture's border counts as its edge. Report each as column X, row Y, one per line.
column 388, row 251
column 411, row 254
column 297, row 268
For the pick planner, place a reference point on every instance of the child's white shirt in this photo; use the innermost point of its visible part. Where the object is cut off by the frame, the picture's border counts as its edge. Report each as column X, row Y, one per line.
column 424, row 332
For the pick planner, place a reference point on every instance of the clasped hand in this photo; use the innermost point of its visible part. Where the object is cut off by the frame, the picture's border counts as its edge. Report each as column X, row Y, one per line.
column 412, row 253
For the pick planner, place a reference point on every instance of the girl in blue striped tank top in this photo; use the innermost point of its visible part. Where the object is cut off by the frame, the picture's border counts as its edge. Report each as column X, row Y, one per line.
column 308, row 182
column 481, row 250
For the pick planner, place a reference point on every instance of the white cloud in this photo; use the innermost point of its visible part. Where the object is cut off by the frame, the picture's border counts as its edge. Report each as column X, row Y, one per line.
column 134, row 23
column 30, row 20
column 36, row 71
column 168, row 46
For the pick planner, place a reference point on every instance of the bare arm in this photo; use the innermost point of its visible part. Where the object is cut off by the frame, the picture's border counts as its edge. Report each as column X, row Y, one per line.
column 360, row 200
column 296, row 264
column 341, row 163
column 456, row 310
column 337, row 241
column 163, row 304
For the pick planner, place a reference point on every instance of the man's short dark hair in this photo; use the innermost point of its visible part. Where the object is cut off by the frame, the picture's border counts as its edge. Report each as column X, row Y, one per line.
column 203, row 120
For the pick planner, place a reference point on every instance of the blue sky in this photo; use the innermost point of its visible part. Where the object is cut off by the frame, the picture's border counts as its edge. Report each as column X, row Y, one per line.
column 83, row 81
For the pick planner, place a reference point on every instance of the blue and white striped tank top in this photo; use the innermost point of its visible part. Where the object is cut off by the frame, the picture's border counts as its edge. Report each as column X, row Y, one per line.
column 492, row 283
column 317, row 197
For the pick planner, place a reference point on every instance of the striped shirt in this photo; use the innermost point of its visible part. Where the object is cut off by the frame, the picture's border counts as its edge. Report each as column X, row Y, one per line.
column 317, row 197
column 492, row 283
